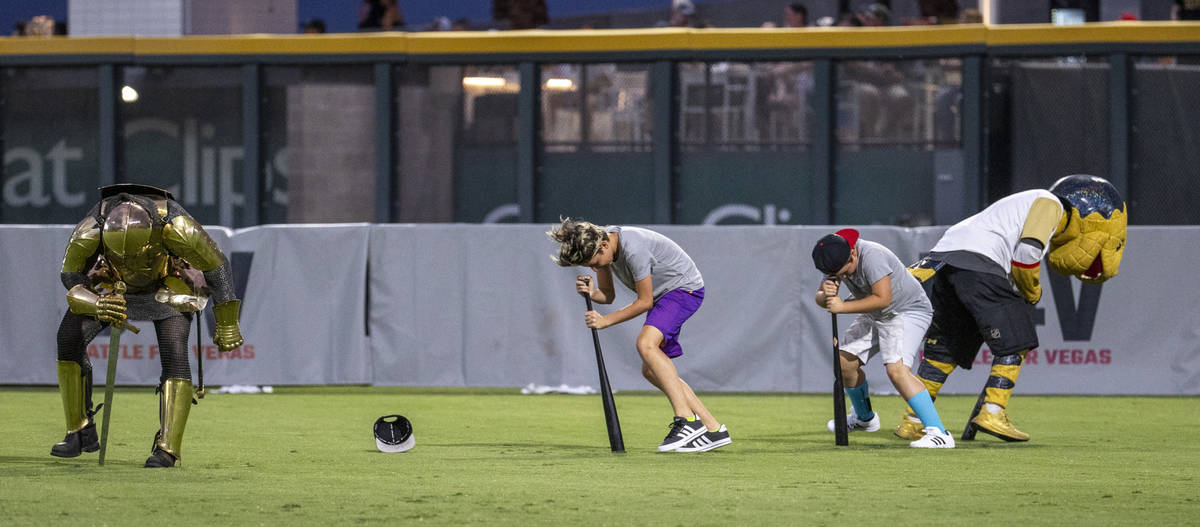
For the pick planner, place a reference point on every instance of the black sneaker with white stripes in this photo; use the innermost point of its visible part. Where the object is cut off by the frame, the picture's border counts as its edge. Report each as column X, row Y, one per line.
column 681, row 432
column 707, row 441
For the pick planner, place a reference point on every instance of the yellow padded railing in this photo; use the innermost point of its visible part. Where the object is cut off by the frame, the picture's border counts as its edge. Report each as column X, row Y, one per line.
column 607, row 40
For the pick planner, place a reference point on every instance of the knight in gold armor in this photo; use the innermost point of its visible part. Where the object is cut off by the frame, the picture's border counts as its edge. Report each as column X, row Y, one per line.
column 984, row 277
column 140, row 236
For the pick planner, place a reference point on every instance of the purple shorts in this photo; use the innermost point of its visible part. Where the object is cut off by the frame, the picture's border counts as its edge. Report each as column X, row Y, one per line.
column 669, row 314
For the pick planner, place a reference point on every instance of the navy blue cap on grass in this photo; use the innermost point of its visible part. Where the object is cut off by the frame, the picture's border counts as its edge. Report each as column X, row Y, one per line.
column 833, row 251
column 393, row 433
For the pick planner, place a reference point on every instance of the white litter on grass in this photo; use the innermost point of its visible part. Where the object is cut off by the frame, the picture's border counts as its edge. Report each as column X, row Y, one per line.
column 539, row 389
column 243, row 388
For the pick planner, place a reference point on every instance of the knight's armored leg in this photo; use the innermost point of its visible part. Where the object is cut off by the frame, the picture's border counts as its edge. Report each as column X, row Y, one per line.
column 935, row 368
column 174, row 403
column 993, row 419
column 75, row 386
column 175, row 392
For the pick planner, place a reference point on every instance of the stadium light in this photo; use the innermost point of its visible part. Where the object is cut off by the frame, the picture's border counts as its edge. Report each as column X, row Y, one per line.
column 484, row 82
column 128, row 94
column 559, row 84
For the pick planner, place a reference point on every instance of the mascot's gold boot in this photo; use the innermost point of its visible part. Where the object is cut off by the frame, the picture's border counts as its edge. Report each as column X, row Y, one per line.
column 910, row 428
column 997, row 424
column 997, row 392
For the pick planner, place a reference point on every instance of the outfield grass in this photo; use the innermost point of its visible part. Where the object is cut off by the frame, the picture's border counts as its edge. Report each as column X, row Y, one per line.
column 495, row 457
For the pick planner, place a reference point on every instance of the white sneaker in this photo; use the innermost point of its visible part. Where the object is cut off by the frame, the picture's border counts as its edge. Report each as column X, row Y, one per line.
column 853, row 424
column 934, row 438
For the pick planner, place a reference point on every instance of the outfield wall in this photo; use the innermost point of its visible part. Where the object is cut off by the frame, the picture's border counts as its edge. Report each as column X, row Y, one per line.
column 483, row 305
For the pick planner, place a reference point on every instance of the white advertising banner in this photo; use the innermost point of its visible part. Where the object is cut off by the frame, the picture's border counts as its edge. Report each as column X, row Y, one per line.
column 483, row 305
column 303, row 310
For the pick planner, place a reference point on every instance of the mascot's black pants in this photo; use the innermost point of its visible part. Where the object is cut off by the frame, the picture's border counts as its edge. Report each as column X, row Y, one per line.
column 76, row 331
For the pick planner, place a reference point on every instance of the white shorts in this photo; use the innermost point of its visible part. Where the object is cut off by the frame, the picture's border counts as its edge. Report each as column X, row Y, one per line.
column 897, row 338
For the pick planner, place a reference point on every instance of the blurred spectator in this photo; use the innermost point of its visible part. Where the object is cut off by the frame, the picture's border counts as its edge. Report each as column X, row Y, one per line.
column 313, row 25
column 784, row 108
column 970, row 15
column 461, row 24
column 370, row 15
column 40, row 26
column 683, row 13
column 785, row 89
column 1089, row 8
column 393, row 18
column 884, row 103
column 938, row 11
column 795, row 14
column 848, row 19
column 441, row 23
column 934, row 12
column 874, row 89
column 874, row 15
column 521, row 14
column 1185, row 10
column 376, row 15
column 18, row 29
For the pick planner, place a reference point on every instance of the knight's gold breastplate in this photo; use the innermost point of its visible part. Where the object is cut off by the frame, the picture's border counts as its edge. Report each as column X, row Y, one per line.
column 141, row 269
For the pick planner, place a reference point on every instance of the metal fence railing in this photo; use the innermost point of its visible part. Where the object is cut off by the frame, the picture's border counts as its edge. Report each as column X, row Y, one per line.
column 900, row 126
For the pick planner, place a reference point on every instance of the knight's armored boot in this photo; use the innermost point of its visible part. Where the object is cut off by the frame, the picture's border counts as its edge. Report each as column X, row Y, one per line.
column 174, row 403
column 76, row 389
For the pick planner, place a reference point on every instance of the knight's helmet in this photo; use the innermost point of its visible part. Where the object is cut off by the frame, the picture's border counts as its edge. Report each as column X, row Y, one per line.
column 1090, row 239
column 131, row 232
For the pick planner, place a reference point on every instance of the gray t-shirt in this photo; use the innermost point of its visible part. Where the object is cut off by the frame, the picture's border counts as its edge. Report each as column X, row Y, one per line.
column 875, row 262
column 644, row 252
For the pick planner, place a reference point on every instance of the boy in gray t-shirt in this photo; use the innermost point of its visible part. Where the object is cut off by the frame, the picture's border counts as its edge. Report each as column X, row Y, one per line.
column 894, row 315
column 669, row 290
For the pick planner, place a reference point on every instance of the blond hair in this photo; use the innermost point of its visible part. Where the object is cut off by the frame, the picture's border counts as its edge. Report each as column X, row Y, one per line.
column 578, row 241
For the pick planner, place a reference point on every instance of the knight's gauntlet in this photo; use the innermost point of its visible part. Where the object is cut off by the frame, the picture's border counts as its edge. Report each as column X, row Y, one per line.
column 105, row 308
column 228, row 335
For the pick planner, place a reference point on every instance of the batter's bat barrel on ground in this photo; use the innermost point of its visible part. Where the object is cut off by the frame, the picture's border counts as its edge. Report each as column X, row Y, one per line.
column 840, row 432
column 110, row 377
column 969, row 430
column 615, row 439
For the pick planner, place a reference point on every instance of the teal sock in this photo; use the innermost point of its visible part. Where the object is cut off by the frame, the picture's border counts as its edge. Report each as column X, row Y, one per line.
column 860, row 399
column 922, row 404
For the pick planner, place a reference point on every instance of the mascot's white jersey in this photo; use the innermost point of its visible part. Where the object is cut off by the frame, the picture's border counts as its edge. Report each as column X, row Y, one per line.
column 995, row 231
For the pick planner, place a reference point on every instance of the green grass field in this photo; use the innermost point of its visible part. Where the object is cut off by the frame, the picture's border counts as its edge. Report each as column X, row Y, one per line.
column 495, row 457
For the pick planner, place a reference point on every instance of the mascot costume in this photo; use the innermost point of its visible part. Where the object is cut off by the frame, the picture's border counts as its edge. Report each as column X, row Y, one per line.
column 139, row 239
column 983, row 278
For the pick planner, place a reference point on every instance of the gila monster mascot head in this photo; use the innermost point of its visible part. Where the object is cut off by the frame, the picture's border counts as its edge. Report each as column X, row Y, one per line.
column 1090, row 238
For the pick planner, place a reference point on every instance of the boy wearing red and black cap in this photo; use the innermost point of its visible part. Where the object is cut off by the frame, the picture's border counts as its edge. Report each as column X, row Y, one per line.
column 893, row 316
